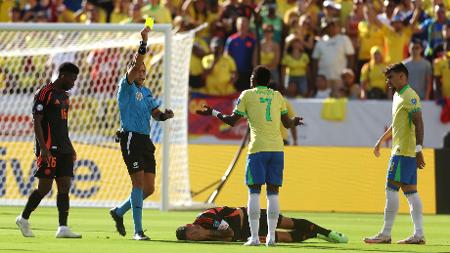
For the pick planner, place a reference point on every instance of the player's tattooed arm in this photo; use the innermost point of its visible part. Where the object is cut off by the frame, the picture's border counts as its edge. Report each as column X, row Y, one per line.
column 227, row 119
column 220, row 235
column 162, row 116
column 132, row 73
column 291, row 122
column 418, row 123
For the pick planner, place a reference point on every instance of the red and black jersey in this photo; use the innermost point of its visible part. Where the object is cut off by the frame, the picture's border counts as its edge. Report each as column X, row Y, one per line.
column 54, row 106
column 212, row 218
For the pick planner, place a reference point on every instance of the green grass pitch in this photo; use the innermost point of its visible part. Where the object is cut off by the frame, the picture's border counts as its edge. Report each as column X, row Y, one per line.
column 99, row 233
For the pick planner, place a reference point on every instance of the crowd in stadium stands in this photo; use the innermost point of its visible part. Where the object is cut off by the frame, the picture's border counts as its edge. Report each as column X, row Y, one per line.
column 313, row 48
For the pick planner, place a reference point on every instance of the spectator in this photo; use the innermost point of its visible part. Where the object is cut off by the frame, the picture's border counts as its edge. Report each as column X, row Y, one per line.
column 220, row 71
column 231, row 11
column 121, row 10
column 5, row 10
column 323, row 91
column 196, row 12
column 373, row 82
column 199, row 50
column 89, row 13
column 397, row 36
column 352, row 22
column 332, row 54
column 60, row 12
column 15, row 15
column 174, row 6
column 295, row 68
column 240, row 47
column 386, row 15
column 268, row 15
column 332, row 10
column 34, row 10
column 270, row 53
column 369, row 35
column 420, row 72
column 350, row 88
column 135, row 15
column 442, row 67
column 433, row 29
column 306, row 7
column 283, row 6
column 156, row 10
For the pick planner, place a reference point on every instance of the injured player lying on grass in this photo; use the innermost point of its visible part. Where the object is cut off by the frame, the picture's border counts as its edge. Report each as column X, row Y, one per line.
column 231, row 224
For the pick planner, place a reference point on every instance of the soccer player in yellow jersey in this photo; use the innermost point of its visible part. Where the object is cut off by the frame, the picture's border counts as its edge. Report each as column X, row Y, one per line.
column 407, row 135
column 265, row 109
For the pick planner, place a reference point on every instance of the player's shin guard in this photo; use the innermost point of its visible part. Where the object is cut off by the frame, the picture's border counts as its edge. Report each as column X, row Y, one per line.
column 136, row 205
column 62, row 201
column 391, row 208
column 273, row 211
column 306, row 229
column 254, row 212
column 33, row 202
column 415, row 208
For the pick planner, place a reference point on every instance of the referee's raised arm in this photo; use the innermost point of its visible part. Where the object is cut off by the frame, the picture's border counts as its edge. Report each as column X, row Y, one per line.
column 132, row 73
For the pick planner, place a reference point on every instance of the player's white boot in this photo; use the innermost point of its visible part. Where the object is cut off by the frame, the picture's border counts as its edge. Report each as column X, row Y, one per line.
column 65, row 232
column 414, row 239
column 252, row 242
column 24, row 226
column 379, row 238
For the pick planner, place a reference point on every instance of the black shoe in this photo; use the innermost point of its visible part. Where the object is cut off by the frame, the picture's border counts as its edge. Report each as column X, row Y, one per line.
column 140, row 236
column 119, row 222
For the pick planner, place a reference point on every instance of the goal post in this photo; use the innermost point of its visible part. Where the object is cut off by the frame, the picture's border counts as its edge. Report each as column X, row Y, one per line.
column 29, row 54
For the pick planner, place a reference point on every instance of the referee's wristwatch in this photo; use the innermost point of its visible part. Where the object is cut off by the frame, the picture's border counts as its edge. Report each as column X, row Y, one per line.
column 419, row 148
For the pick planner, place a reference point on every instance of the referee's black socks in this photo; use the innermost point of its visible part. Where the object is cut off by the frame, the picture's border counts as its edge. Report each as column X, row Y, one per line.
column 33, row 202
column 62, row 201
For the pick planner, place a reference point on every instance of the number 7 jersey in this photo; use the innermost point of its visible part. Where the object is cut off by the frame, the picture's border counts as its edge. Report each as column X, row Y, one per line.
column 263, row 108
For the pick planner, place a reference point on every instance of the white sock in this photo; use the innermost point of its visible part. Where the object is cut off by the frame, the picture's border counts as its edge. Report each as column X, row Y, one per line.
column 390, row 211
column 253, row 211
column 415, row 208
column 273, row 211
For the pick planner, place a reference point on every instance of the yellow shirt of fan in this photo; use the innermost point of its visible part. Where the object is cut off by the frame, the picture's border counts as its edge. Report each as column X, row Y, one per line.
column 369, row 36
column 160, row 13
column 296, row 66
column 283, row 6
column 395, row 43
column 374, row 74
column 405, row 102
column 442, row 70
column 196, row 67
column 263, row 108
column 218, row 82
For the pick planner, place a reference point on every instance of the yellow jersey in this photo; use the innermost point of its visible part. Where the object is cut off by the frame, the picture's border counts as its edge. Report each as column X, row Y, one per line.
column 405, row 102
column 442, row 70
column 218, row 82
column 374, row 74
column 263, row 108
column 369, row 36
column 296, row 66
column 396, row 43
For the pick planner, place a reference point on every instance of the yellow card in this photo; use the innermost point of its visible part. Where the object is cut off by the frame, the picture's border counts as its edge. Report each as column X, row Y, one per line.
column 149, row 22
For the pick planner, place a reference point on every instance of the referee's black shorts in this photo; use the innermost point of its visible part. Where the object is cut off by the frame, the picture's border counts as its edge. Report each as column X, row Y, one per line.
column 138, row 152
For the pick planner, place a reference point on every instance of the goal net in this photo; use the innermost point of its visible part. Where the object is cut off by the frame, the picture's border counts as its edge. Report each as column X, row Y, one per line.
column 29, row 57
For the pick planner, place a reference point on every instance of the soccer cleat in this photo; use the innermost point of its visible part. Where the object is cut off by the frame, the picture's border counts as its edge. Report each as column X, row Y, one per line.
column 334, row 237
column 380, row 238
column 65, row 232
column 414, row 239
column 119, row 222
column 24, row 226
column 140, row 236
column 252, row 242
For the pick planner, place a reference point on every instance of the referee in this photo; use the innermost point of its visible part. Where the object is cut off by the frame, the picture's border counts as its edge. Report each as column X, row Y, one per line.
column 136, row 105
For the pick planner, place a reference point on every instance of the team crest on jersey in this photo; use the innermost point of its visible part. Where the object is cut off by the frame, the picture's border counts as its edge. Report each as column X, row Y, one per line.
column 139, row 96
column 39, row 107
column 414, row 101
column 238, row 101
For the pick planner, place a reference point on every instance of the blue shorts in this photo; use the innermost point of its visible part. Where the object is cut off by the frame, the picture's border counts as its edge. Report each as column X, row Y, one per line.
column 403, row 169
column 264, row 168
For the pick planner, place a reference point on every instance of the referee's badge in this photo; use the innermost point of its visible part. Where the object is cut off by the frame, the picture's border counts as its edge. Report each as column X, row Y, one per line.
column 139, row 96
column 414, row 101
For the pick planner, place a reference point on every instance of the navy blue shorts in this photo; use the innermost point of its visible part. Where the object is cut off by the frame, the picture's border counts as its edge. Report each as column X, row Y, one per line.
column 403, row 169
column 264, row 168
